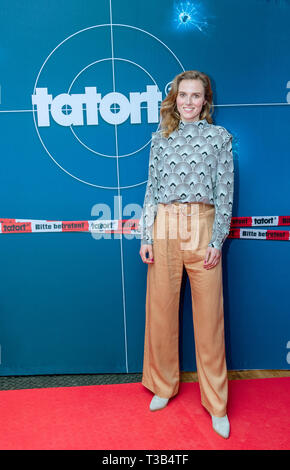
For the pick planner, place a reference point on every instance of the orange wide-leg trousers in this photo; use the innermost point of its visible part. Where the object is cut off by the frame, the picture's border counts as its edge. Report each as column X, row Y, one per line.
column 181, row 234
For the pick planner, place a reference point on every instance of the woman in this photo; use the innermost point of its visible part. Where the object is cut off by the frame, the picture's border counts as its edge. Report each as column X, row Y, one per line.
column 185, row 220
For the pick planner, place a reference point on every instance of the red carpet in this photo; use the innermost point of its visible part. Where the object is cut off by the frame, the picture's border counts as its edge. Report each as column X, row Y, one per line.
column 111, row 417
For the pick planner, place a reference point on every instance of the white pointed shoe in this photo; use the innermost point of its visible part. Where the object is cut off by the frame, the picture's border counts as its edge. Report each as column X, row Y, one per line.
column 221, row 425
column 157, row 403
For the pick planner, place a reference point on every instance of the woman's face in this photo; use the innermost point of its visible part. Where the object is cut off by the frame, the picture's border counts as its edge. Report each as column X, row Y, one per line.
column 190, row 99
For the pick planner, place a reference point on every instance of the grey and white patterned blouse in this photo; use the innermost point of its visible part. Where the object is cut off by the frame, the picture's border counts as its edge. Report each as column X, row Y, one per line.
column 193, row 164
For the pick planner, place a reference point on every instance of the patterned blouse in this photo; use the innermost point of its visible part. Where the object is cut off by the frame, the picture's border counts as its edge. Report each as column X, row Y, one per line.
column 193, row 164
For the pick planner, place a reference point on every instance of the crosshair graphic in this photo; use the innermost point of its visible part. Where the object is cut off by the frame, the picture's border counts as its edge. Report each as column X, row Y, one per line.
column 115, row 108
column 88, row 165
column 83, row 140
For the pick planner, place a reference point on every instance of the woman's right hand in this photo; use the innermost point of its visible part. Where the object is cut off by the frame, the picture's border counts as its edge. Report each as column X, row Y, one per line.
column 143, row 252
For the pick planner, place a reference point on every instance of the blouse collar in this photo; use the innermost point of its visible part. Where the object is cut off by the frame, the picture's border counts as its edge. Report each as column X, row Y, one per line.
column 200, row 123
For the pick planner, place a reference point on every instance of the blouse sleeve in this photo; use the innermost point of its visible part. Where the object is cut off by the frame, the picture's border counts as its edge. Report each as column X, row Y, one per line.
column 223, row 192
column 151, row 199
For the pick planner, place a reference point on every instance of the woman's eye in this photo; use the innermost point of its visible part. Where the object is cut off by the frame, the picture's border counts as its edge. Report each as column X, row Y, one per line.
column 195, row 96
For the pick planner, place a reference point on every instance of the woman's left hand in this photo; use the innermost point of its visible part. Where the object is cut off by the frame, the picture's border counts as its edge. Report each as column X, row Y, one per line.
column 212, row 257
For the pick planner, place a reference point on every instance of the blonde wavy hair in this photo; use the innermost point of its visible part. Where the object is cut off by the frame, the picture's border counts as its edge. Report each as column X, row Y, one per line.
column 170, row 116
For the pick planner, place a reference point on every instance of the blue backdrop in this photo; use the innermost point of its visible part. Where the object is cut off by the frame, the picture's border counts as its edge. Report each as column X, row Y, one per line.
column 70, row 303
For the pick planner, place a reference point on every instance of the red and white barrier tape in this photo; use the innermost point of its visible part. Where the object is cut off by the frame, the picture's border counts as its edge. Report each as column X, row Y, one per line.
column 258, row 234
column 273, row 220
column 8, row 226
column 93, row 226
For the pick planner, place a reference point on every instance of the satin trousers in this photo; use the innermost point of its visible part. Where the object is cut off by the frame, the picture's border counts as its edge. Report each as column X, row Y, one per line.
column 181, row 234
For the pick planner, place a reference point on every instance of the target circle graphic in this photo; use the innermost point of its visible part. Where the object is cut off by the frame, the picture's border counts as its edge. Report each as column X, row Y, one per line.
column 74, row 133
column 105, row 155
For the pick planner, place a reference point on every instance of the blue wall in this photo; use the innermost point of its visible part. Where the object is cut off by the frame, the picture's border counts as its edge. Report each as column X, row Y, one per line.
column 70, row 303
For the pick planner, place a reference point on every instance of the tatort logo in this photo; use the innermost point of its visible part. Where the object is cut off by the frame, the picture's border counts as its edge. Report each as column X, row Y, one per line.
column 263, row 220
column 69, row 109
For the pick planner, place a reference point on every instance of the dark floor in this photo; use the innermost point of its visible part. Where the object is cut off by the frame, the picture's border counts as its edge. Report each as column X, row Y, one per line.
column 75, row 380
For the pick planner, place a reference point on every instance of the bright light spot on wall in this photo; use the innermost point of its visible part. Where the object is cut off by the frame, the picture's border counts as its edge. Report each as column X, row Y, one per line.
column 189, row 15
